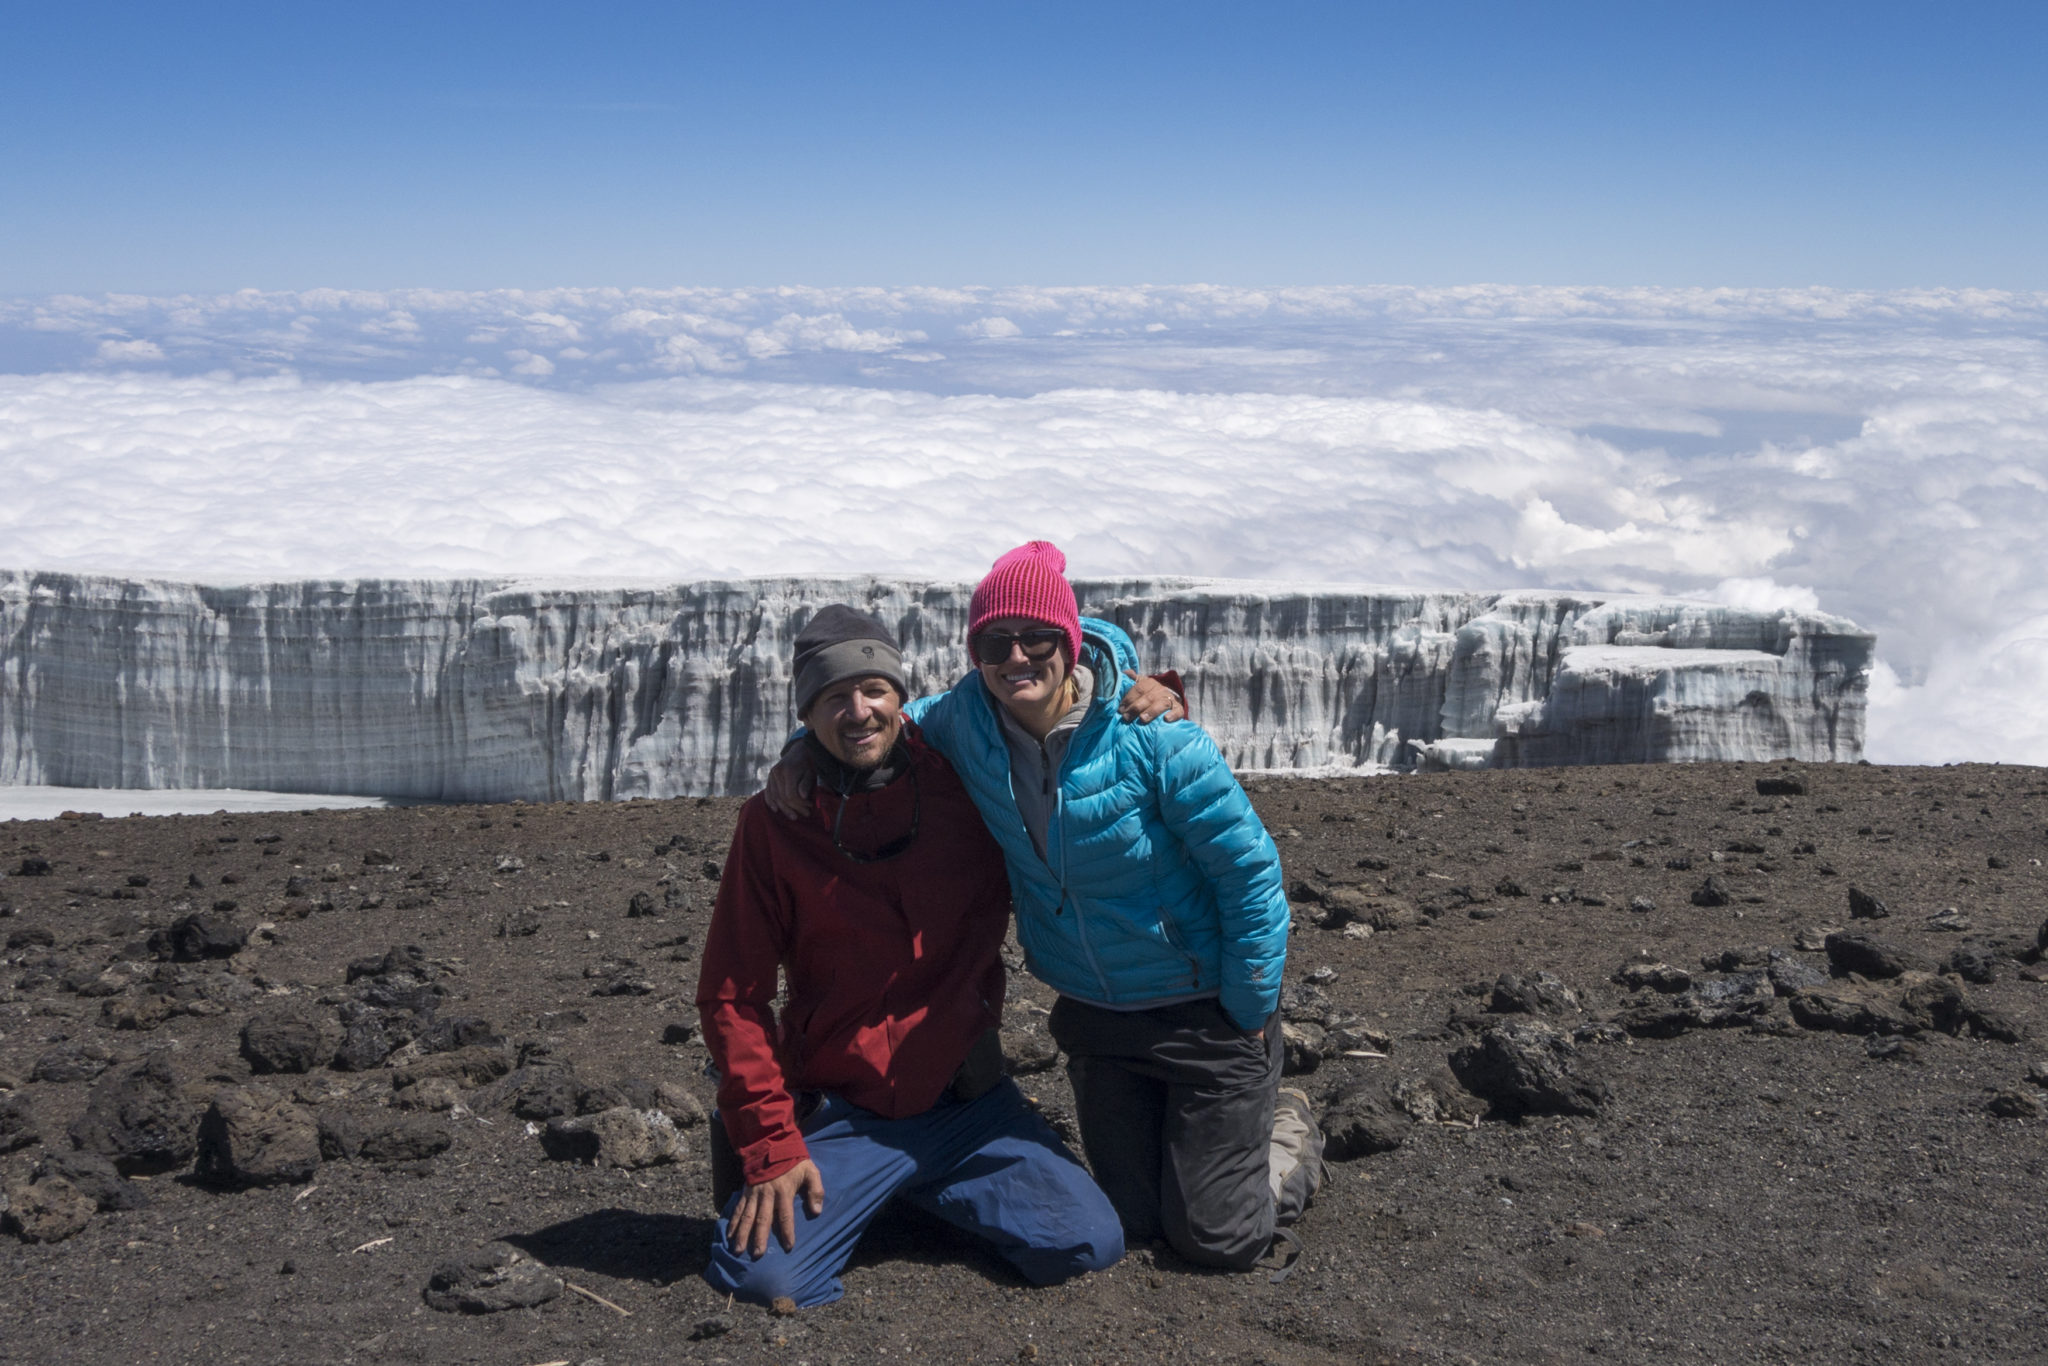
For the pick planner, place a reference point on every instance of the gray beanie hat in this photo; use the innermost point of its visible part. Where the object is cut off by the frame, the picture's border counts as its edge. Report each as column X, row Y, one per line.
column 838, row 643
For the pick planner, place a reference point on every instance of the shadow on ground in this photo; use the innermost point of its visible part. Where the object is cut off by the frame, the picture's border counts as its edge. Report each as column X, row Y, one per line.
column 627, row 1244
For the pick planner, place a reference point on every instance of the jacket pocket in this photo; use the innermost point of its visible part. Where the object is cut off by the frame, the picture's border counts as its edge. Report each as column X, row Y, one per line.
column 1171, row 928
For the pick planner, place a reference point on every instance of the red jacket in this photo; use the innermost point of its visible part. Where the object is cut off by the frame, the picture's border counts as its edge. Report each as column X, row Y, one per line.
column 893, row 967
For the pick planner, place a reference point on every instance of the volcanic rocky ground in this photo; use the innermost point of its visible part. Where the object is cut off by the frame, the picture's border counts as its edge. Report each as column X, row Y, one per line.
column 1713, row 1063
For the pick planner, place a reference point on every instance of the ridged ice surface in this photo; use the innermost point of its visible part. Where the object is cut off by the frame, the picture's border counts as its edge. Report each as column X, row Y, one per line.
column 493, row 690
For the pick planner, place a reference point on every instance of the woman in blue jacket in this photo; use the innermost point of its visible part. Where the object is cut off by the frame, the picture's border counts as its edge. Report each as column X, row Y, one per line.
column 1148, row 894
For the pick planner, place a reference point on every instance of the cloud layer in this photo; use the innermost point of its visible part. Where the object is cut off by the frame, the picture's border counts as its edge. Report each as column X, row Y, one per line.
column 1882, row 456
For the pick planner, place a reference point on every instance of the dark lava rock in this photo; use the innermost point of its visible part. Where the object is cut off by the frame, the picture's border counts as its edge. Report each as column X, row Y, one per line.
column 380, row 1136
column 1789, row 975
column 142, row 1010
column 287, row 1040
column 544, row 1091
column 1524, row 1068
column 17, row 1126
column 474, row 1065
column 95, row 1177
column 1303, row 1002
column 1845, row 1011
column 521, row 924
column 619, row 1137
column 47, row 1209
column 1341, row 906
column 1737, row 959
column 252, row 1136
column 1712, row 892
column 1864, row 906
column 412, row 1138
column 1390, row 914
column 1362, row 1120
column 31, row 937
column 1972, row 963
column 402, row 959
column 2014, row 1105
column 716, row 1326
column 1652, row 977
column 1025, row 1051
column 1889, row 1048
column 1714, row 1003
column 1992, row 1024
column 1540, row 993
column 666, row 1096
column 136, row 1117
column 641, row 905
column 197, row 937
column 33, row 867
column 462, row 1034
column 619, row 977
column 1870, row 956
column 496, row 1276
column 677, row 1032
column 1935, row 1003
column 91, row 981
column 1783, row 786
column 72, row 1062
column 1301, row 1048
column 370, row 1034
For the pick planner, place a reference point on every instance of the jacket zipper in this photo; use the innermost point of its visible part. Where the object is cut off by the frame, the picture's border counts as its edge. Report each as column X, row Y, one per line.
column 1056, row 837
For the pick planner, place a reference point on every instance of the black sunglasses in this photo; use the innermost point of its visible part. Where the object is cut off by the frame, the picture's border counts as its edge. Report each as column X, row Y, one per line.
column 993, row 647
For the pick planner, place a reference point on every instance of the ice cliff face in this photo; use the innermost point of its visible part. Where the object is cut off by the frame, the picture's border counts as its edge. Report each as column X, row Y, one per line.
column 474, row 690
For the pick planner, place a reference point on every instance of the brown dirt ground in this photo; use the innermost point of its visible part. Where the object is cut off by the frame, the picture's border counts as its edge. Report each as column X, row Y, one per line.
column 1747, row 1194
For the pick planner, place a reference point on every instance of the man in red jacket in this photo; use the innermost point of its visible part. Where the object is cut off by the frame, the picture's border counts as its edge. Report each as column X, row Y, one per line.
column 881, row 1076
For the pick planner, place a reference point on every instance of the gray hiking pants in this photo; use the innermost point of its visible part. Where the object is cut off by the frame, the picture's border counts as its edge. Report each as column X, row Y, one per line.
column 1176, row 1111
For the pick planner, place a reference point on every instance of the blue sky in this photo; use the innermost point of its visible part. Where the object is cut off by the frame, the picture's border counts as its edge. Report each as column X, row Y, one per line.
column 169, row 147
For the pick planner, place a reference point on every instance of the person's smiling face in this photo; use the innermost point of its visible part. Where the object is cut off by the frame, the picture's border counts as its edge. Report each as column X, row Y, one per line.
column 1022, row 684
column 857, row 720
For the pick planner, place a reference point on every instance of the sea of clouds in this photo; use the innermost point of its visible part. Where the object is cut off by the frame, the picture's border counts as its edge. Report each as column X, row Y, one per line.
column 1882, row 456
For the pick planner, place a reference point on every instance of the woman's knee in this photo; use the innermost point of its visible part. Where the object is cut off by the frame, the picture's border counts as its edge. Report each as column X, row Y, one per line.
column 1232, row 1238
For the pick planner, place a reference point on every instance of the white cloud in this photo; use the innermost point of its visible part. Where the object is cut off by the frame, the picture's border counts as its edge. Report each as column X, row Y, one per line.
column 1981, row 700
column 1882, row 456
column 1764, row 595
column 116, row 352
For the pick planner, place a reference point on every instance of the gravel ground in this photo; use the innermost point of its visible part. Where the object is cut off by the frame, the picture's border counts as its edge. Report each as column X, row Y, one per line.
column 1609, row 1121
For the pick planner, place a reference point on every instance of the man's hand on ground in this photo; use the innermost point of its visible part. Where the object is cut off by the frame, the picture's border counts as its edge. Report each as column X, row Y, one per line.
column 773, row 1204
column 1147, row 699
column 789, row 784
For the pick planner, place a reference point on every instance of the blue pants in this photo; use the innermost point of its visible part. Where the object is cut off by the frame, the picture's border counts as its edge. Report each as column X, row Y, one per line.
column 990, row 1166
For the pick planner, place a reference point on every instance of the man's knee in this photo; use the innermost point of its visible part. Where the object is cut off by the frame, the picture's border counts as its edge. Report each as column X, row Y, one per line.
column 764, row 1280
column 1092, row 1243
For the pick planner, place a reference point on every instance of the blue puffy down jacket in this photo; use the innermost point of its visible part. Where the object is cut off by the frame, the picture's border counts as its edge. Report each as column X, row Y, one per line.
column 1159, row 881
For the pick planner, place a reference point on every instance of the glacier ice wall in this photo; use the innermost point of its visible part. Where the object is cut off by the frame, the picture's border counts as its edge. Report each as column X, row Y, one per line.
column 481, row 690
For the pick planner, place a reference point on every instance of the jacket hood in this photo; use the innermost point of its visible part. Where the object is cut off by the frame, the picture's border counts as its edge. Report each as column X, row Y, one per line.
column 1108, row 647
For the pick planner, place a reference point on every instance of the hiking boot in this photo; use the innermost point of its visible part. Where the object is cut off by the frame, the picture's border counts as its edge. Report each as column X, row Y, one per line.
column 1294, row 1160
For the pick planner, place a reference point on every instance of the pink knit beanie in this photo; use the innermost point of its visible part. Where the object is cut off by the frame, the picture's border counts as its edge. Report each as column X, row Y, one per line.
column 1030, row 581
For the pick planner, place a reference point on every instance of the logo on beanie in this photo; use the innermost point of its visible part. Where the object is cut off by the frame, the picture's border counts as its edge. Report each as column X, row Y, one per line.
column 868, row 650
